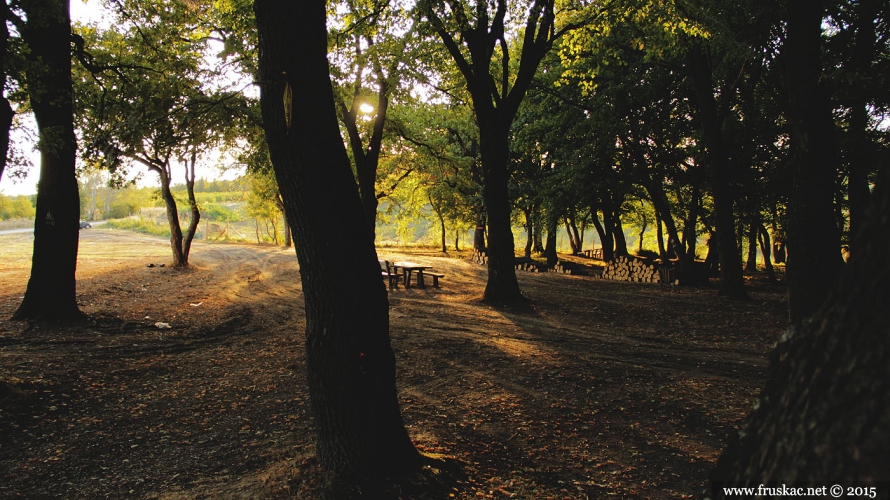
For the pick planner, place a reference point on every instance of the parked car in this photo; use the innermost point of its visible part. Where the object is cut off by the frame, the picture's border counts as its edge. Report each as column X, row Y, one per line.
column 85, row 225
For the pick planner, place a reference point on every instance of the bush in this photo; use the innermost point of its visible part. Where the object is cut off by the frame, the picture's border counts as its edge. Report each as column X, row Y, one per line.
column 140, row 225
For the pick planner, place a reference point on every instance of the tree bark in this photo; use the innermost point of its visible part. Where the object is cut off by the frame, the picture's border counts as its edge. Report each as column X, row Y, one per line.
column 529, row 232
column 598, row 227
column 502, row 286
column 608, row 238
column 862, row 149
column 6, row 112
column 550, row 244
column 350, row 362
column 479, row 232
column 767, row 257
column 751, row 262
column 814, row 260
column 193, row 207
column 822, row 418
column 51, row 289
column 367, row 159
column 620, row 240
column 732, row 283
column 180, row 259
column 662, row 252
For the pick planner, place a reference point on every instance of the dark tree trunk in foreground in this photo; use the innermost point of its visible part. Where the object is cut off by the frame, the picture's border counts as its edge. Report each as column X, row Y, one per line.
column 814, row 260
column 51, row 289
column 351, row 365
column 823, row 418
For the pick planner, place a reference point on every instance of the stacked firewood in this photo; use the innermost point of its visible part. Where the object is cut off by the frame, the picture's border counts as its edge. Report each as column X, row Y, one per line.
column 629, row 269
column 529, row 265
column 480, row 256
column 564, row 267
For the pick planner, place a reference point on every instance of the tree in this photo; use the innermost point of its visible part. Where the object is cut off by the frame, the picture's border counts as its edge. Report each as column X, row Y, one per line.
column 46, row 29
column 6, row 111
column 371, row 44
column 481, row 36
column 814, row 260
column 351, row 365
column 153, row 106
column 821, row 418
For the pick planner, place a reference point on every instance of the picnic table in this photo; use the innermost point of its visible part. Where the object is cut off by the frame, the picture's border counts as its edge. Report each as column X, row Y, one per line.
column 408, row 268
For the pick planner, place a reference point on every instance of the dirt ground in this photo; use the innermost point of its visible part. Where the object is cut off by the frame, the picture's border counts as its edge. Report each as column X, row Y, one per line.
column 603, row 389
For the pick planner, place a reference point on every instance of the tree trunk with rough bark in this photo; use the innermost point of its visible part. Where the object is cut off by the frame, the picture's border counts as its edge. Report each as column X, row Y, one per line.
column 814, row 258
column 51, row 289
column 350, row 362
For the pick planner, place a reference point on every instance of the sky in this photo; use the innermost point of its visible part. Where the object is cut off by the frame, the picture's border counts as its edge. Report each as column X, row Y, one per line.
column 86, row 12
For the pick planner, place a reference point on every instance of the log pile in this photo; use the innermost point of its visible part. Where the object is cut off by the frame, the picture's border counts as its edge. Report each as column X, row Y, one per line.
column 564, row 267
column 629, row 269
column 529, row 265
column 480, row 256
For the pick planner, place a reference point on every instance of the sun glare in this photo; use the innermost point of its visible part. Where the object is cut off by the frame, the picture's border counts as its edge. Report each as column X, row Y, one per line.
column 366, row 108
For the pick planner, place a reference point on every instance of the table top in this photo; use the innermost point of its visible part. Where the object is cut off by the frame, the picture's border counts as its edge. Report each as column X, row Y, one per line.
column 410, row 265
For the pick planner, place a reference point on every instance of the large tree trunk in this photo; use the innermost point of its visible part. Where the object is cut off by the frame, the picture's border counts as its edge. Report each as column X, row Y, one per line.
column 862, row 149
column 814, row 259
column 822, row 418
column 502, row 286
column 620, row 240
column 51, row 289
column 732, row 281
column 350, row 362
column 180, row 259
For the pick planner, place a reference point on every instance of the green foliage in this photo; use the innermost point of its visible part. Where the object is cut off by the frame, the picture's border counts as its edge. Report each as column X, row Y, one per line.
column 218, row 212
column 140, row 225
column 16, row 207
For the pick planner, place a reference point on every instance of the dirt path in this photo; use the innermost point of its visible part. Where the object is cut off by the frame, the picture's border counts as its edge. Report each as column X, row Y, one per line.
column 602, row 389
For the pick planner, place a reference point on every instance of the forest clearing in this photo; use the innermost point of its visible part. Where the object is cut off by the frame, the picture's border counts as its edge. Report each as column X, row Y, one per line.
column 599, row 389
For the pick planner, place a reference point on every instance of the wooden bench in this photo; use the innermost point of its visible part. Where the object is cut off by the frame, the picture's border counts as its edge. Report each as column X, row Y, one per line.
column 387, row 272
column 435, row 276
